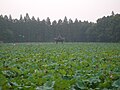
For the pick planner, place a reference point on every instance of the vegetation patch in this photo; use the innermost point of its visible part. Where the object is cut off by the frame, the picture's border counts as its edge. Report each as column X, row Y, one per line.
column 68, row 66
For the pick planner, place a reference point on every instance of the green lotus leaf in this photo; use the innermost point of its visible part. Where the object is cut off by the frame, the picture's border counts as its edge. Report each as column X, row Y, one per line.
column 116, row 83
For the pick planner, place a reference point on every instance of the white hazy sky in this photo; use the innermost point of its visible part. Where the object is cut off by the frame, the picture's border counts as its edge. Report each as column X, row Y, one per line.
column 89, row 10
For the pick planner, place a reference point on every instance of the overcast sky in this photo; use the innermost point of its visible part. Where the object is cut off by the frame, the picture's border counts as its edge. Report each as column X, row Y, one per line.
column 89, row 10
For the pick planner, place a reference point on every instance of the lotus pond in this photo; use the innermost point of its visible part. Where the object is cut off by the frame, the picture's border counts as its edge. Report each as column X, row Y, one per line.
column 68, row 66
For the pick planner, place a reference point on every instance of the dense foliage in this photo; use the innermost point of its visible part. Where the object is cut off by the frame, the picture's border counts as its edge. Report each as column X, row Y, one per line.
column 26, row 29
column 69, row 66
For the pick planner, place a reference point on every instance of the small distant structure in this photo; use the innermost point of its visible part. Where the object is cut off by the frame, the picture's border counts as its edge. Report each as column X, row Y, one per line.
column 59, row 39
column 1, row 42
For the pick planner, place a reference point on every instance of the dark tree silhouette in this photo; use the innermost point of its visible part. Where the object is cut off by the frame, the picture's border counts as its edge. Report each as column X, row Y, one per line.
column 106, row 29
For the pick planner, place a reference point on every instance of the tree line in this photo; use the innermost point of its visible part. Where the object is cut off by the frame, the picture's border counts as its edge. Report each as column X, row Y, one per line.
column 26, row 29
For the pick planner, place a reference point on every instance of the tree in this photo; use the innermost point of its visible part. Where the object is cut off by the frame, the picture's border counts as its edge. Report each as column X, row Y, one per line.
column 54, row 23
column 107, row 29
column 27, row 18
column 65, row 21
column 59, row 22
column 10, row 18
column 21, row 18
column 33, row 18
column 38, row 20
column 113, row 13
column 48, row 22
column 5, row 17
